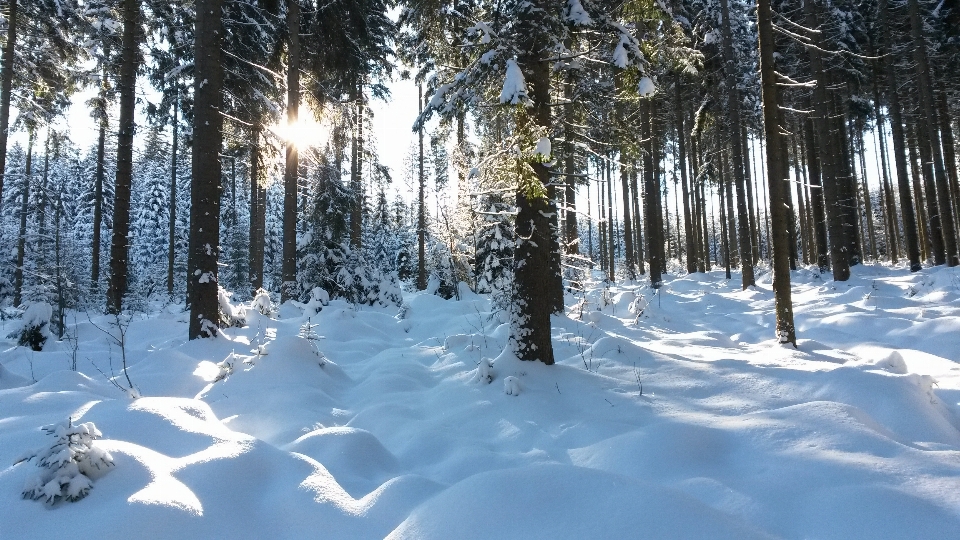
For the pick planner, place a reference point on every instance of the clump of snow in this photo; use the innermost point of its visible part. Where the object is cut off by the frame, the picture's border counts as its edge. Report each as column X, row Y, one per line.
column 514, row 86
column 70, row 464
column 576, row 15
column 318, row 298
column 620, row 57
column 511, row 386
column 645, row 87
column 543, row 149
column 485, row 371
column 894, row 363
column 263, row 304
column 230, row 315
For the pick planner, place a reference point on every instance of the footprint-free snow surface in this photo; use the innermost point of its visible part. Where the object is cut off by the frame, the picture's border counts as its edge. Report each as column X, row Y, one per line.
column 670, row 414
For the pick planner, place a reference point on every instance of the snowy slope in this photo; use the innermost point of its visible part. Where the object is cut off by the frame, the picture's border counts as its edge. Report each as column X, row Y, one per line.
column 389, row 433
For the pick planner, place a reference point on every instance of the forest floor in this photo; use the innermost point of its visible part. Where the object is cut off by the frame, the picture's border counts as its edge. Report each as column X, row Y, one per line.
column 681, row 418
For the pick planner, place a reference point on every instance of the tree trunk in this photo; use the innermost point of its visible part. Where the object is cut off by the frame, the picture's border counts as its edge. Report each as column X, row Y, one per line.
column 533, row 297
column 943, row 234
column 356, row 174
column 816, row 195
column 172, row 238
column 6, row 87
column 22, row 237
column 910, row 228
column 120, row 242
column 736, row 150
column 651, row 210
column 688, row 230
column 786, row 331
column 257, row 212
column 421, row 208
column 291, row 174
column 205, row 187
column 98, row 204
column 949, row 153
column 826, row 151
column 751, row 210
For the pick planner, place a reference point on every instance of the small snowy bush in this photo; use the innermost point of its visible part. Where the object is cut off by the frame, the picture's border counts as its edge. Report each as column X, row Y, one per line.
column 69, row 464
column 226, row 367
column 318, row 299
column 36, row 323
column 485, row 370
column 230, row 315
column 511, row 386
column 263, row 304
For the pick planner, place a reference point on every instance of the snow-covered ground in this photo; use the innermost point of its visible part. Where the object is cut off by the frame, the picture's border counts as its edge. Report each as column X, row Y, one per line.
column 383, row 426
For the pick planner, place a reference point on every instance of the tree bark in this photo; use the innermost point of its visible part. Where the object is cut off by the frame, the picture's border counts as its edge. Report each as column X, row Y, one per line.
column 291, row 174
column 826, row 151
column 22, row 236
column 786, row 331
column 98, row 203
column 910, row 227
column 736, row 151
column 205, row 188
column 6, row 87
column 172, row 237
column 257, row 211
column 421, row 208
column 651, row 210
column 943, row 234
column 120, row 242
column 534, row 298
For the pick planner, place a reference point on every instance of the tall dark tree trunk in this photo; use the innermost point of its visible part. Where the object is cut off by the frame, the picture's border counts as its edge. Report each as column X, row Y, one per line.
column 827, row 152
column 942, row 232
column 120, row 242
column 534, row 298
column 637, row 219
column 920, row 200
column 571, row 234
column 6, row 87
column 688, row 229
column 736, row 150
column 205, row 188
column 751, row 209
column 816, row 195
column 22, row 236
column 98, row 203
column 726, row 209
column 651, row 209
column 421, row 207
column 949, row 153
column 257, row 211
column 356, row 172
column 786, row 331
column 910, row 228
column 611, row 233
column 172, row 237
column 291, row 173
column 627, row 225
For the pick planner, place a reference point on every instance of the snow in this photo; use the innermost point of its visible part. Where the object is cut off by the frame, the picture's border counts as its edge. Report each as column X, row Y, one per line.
column 671, row 413
column 514, row 86
column 576, row 15
column 544, row 148
column 645, row 87
column 37, row 314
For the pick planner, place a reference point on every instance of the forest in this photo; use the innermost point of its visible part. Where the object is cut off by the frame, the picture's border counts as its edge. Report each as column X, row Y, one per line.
column 758, row 119
column 647, row 269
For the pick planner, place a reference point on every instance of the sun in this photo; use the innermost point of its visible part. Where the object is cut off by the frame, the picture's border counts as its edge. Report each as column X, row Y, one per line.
column 306, row 132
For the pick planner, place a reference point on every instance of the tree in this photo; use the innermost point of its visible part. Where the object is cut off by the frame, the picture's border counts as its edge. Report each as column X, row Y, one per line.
column 205, row 187
column 120, row 245
column 786, row 331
